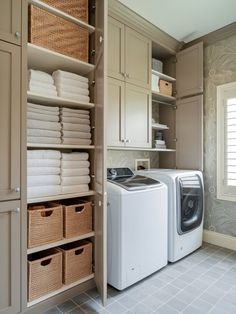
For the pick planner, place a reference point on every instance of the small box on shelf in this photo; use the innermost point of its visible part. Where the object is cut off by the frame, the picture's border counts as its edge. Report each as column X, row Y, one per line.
column 165, row 87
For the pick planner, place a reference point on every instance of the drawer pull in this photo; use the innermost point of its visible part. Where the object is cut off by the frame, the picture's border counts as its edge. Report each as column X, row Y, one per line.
column 17, row 189
column 46, row 213
column 46, row 262
column 79, row 251
column 79, row 209
column 17, row 34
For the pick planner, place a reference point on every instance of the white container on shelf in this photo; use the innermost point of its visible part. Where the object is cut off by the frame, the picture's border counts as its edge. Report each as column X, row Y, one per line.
column 157, row 65
column 155, row 83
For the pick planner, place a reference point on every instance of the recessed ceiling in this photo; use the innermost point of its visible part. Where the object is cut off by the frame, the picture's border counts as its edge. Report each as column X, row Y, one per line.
column 185, row 20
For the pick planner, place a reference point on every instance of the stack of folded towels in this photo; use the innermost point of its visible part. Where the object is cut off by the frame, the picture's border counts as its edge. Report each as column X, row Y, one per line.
column 43, row 124
column 43, row 173
column 75, row 126
column 75, row 172
column 71, row 86
column 41, row 83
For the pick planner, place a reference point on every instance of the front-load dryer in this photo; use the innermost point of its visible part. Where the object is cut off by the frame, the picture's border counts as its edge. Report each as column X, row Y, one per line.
column 137, row 227
column 185, row 209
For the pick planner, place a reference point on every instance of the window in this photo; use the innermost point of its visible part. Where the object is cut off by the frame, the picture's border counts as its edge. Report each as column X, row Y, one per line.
column 226, row 141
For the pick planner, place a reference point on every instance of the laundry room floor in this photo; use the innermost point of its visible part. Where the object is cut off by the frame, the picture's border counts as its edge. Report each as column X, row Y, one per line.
column 203, row 282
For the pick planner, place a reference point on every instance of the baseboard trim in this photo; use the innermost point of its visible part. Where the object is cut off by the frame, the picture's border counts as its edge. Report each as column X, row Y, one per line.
column 219, row 239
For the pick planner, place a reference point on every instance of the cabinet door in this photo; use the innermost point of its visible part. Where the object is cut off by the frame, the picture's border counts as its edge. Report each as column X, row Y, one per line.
column 10, row 257
column 9, row 121
column 116, row 32
column 10, row 21
column 189, row 71
column 137, row 117
column 137, row 58
column 189, row 133
column 115, row 113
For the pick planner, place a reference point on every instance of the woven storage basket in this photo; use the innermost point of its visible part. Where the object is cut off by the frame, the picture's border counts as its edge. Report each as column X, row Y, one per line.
column 57, row 34
column 45, row 224
column 77, row 218
column 165, row 87
column 77, row 261
column 76, row 8
column 44, row 273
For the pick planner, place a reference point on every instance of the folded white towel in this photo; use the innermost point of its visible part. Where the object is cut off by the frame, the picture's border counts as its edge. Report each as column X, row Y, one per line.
column 74, row 134
column 76, row 156
column 75, row 188
column 42, row 133
column 43, row 163
column 47, row 190
column 41, row 111
column 43, row 140
column 75, row 115
column 75, row 127
column 72, row 164
column 40, row 171
column 44, row 108
column 72, row 96
column 43, row 91
column 75, row 120
column 43, row 117
column 32, row 84
column 39, row 76
column 73, row 90
column 43, row 154
column 74, row 172
column 37, row 124
column 75, row 141
column 66, row 181
column 60, row 81
column 75, row 111
column 44, row 180
column 72, row 76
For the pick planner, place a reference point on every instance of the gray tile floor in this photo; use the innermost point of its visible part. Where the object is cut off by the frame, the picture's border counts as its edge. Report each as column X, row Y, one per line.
column 203, row 282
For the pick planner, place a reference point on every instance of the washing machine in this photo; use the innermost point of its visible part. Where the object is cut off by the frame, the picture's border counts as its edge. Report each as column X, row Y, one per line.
column 185, row 209
column 137, row 227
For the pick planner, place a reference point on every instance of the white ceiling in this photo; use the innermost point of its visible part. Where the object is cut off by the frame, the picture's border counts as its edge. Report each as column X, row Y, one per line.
column 185, row 20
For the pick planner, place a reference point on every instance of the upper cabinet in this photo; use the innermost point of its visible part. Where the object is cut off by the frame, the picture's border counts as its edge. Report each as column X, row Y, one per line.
column 129, row 55
column 9, row 121
column 189, row 71
column 10, row 21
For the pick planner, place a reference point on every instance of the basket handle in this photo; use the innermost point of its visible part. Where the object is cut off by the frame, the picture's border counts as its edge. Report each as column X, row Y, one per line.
column 79, row 209
column 79, row 251
column 47, row 213
column 46, row 262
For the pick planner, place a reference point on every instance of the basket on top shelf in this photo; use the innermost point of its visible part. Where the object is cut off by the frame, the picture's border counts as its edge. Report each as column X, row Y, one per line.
column 57, row 34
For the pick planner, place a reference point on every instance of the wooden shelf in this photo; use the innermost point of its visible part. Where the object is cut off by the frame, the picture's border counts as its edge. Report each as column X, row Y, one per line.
column 62, row 14
column 164, row 76
column 62, row 289
column 141, row 149
column 59, row 197
column 59, row 146
column 46, row 60
column 61, row 242
column 161, row 97
column 57, row 101
column 159, row 127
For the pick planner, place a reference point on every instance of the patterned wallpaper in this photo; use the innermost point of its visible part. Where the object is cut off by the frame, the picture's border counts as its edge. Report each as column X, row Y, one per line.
column 220, row 68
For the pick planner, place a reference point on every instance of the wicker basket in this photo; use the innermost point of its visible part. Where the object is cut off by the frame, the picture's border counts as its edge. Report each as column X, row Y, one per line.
column 76, row 8
column 57, row 34
column 44, row 273
column 45, row 224
column 165, row 87
column 77, row 218
column 77, row 261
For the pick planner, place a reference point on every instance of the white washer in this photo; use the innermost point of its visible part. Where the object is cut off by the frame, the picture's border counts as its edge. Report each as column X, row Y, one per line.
column 185, row 209
column 137, row 227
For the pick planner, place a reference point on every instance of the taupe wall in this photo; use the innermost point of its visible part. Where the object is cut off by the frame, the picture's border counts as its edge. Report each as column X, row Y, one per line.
column 220, row 68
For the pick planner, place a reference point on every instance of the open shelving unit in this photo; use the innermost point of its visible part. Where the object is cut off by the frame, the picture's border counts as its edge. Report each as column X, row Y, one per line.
column 59, row 146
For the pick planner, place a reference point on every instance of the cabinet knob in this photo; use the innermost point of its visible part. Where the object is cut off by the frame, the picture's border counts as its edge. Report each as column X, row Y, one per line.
column 127, row 75
column 123, row 74
column 100, row 39
column 16, row 210
column 17, row 189
column 122, row 141
column 17, row 34
column 127, row 141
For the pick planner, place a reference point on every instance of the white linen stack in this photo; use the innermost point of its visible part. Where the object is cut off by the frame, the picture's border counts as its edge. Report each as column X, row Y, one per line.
column 40, row 82
column 71, row 86
column 43, row 124
column 75, row 126
column 75, row 172
column 43, row 173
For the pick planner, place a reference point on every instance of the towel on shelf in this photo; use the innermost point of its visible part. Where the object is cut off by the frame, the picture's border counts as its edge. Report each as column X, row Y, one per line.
column 75, row 141
column 47, row 190
column 74, row 134
column 40, row 171
column 72, row 76
column 76, row 111
column 43, row 140
column 66, row 181
column 74, row 164
column 46, row 133
column 43, row 154
column 43, row 91
column 35, row 84
column 75, row 127
column 74, row 172
column 75, row 188
column 75, row 156
column 43, row 162
column 75, row 120
column 42, row 111
column 37, row 124
column 62, row 81
column 75, row 115
column 73, row 90
column 42, row 117
column 40, row 76
column 73, row 96
column 42, row 108
column 43, row 180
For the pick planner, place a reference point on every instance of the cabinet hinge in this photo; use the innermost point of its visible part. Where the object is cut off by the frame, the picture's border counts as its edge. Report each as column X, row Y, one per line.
column 175, row 60
column 175, row 140
column 175, row 107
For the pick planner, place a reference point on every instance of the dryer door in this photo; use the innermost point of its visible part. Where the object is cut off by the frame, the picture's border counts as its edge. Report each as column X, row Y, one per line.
column 190, row 203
